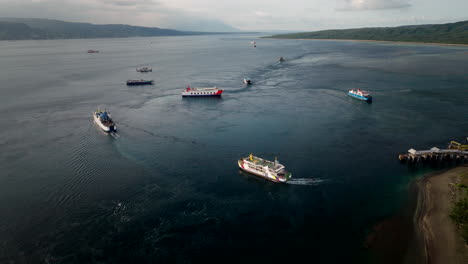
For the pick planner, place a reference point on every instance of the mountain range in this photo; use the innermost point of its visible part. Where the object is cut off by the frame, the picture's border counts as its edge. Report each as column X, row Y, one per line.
column 24, row 28
column 450, row 33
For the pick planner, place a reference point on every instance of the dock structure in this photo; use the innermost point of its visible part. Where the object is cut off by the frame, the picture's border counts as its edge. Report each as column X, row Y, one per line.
column 434, row 154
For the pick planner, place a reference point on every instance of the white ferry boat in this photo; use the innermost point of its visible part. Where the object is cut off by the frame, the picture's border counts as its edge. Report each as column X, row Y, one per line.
column 197, row 92
column 270, row 170
column 104, row 120
column 360, row 94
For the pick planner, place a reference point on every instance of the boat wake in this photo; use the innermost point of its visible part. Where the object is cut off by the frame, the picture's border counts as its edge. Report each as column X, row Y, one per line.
column 306, row 181
column 114, row 135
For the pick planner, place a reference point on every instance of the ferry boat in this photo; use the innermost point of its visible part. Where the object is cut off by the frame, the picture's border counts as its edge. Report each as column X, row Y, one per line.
column 93, row 51
column 104, row 120
column 270, row 170
column 139, row 82
column 196, row 92
column 360, row 94
column 247, row 81
column 144, row 69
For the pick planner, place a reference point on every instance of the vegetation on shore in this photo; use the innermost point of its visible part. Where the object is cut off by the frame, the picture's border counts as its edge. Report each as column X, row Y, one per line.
column 23, row 28
column 459, row 213
column 450, row 33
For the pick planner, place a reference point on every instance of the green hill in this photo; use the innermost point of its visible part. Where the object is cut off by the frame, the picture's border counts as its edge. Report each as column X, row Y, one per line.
column 450, row 33
column 20, row 28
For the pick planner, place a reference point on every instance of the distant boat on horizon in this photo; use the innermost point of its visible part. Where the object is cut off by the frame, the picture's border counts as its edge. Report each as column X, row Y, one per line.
column 144, row 69
column 139, row 82
column 93, row 51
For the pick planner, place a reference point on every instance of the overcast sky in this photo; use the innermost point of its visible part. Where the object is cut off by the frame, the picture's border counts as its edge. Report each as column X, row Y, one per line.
column 215, row 15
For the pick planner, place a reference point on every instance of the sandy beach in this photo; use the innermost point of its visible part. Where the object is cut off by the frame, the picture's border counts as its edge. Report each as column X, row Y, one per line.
column 437, row 239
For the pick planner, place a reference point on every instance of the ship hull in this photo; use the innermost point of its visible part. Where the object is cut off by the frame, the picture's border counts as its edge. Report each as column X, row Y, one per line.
column 202, row 93
column 139, row 83
column 103, row 127
column 359, row 97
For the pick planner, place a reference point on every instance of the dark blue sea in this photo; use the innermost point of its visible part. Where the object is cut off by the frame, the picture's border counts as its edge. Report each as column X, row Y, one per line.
column 166, row 187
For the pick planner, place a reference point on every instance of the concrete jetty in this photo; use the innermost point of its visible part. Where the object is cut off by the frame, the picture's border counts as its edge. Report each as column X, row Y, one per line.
column 434, row 154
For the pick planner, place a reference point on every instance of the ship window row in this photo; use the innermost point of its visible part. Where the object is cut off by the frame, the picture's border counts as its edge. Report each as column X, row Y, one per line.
column 202, row 93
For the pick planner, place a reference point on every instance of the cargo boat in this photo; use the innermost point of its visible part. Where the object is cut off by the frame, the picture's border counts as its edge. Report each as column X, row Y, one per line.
column 270, row 170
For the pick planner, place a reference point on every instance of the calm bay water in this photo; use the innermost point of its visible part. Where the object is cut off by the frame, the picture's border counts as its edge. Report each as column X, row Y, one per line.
column 167, row 188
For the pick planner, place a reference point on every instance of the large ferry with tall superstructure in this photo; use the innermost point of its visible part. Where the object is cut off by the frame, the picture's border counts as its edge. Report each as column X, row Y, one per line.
column 104, row 121
column 197, row 92
column 270, row 170
column 360, row 94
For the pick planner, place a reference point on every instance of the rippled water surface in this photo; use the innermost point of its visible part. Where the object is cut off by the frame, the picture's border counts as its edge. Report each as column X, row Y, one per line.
column 167, row 186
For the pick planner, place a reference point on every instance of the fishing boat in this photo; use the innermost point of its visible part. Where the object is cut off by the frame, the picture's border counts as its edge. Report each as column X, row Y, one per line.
column 198, row 92
column 270, row 170
column 247, row 81
column 281, row 59
column 360, row 94
column 104, row 120
column 144, row 69
column 93, row 51
column 139, row 82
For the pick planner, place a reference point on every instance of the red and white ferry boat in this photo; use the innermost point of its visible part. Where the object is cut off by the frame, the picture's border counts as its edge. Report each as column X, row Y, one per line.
column 210, row 91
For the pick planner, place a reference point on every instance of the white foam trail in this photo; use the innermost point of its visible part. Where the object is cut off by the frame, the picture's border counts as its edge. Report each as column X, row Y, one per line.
column 305, row 181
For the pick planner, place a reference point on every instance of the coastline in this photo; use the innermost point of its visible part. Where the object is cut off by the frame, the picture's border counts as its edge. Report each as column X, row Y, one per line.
column 436, row 238
column 382, row 41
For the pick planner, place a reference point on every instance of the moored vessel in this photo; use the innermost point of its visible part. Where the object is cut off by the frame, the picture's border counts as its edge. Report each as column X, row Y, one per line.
column 104, row 120
column 139, row 82
column 270, row 170
column 144, row 69
column 360, row 94
column 197, row 92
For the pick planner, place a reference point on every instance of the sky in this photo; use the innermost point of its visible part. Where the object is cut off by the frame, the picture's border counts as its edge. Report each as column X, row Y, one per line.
column 248, row 15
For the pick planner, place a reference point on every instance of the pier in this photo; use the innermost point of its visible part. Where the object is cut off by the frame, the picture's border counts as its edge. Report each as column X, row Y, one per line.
column 435, row 154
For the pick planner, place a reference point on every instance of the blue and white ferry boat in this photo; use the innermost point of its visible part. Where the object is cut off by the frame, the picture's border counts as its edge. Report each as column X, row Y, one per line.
column 360, row 94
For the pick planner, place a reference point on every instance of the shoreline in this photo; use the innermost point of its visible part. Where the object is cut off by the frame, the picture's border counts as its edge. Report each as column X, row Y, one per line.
column 436, row 238
column 381, row 41
column 422, row 230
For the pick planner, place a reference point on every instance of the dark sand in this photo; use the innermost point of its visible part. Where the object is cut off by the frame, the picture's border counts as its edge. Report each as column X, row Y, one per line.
column 422, row 232
column 437, row 238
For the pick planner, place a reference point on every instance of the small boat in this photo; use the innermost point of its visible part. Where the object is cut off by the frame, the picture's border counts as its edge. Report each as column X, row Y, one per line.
column 254, row 43
column 104, row 120
column 93, row 51
column 198, row 92
column 281, row 59
column 139, row 82
column 144, row 69
column 360, row 94
column 270, row 170
column 247, row 81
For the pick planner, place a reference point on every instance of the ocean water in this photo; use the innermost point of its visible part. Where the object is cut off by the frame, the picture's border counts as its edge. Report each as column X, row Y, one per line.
column 166, row 187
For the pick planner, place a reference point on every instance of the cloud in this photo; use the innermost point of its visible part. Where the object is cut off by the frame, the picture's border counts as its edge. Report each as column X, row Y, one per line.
column 129, row 2
column 149, row 13
column 357, row 5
